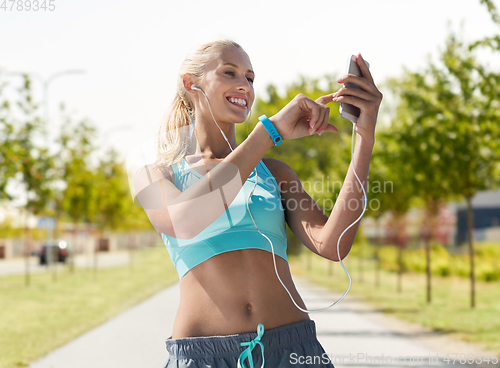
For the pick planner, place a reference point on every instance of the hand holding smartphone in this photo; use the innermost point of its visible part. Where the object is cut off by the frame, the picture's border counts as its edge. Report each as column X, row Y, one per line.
column 348, row 111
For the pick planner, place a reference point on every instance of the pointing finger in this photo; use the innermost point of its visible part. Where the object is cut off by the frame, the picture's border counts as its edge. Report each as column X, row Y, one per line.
column 325, row 99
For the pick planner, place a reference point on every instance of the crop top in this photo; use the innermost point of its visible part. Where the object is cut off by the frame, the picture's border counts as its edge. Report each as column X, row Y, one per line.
column 233, row 229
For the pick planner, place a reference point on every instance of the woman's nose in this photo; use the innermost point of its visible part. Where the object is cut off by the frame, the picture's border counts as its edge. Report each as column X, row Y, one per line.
column 244, row 85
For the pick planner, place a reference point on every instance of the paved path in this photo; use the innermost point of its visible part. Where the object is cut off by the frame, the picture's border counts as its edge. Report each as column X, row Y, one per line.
column 350, row 331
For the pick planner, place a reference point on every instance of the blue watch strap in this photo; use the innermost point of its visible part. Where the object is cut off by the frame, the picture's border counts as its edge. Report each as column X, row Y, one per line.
column 271, row 130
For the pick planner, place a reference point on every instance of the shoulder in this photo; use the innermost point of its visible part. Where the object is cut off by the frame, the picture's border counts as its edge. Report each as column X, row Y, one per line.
column 282, row 172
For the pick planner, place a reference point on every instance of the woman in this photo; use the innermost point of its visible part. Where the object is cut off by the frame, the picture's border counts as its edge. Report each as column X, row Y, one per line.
column 197, row 196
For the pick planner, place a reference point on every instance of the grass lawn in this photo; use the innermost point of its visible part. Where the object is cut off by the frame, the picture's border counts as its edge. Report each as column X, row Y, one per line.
column 37, row 319
column 449, row 311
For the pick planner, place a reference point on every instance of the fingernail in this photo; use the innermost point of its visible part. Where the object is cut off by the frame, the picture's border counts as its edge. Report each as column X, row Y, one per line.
column 320, row 132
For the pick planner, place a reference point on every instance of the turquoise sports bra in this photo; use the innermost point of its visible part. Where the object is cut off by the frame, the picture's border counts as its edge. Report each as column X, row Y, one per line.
column 234, row 229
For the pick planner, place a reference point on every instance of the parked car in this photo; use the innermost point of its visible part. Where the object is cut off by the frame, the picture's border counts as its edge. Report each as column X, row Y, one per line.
column 59, row 249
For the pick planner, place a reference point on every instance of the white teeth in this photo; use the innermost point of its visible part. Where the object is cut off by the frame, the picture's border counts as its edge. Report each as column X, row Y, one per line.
column 239, row 101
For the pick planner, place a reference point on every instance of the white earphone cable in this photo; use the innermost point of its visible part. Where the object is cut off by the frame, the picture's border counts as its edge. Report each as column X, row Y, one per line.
column 272, row 247
column 216, row 121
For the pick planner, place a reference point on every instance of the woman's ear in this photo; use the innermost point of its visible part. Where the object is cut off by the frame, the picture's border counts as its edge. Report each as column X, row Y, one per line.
column 188, row 81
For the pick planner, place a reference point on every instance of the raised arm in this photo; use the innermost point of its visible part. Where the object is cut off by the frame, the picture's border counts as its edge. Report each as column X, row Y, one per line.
column 185, row 214
column 304, row 216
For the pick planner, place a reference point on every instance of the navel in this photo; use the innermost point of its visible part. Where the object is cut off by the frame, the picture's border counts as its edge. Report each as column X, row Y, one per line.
column 249, row 308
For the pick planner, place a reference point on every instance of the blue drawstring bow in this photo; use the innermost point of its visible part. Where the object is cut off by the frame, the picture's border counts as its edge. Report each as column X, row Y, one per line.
column 247, row 353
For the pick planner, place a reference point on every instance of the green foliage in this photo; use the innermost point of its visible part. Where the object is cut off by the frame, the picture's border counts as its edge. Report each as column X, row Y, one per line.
column 469, row 100
column 488, row 250
column 74, row 163
column 7, row 231
column 446, row 123
column 445, row 264
column 67, row 184
column 388, row 257
column 390, row 166
column 492, row 10
column 78, row 199
column 8, row 161
column 93, row 193
column 447, row 127
column 32, row 161
column 116, row 210
column 112, row 193
column 361, row 247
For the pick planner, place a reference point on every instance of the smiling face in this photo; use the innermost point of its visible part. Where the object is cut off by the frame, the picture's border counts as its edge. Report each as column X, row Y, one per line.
column 228, row 84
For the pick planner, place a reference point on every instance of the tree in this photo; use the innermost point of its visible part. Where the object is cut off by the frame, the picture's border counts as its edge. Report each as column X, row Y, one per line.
column 422, row 148
column 492, row 10
column 8, row 161
column 78, row 199
column 116, row 210
column 397, row 171
column 35, row 165
column 113, row 197
column 450, row 120
column 391, row 191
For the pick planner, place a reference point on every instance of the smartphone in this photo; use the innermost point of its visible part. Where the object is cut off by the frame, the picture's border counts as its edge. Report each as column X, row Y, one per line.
column 348, row 111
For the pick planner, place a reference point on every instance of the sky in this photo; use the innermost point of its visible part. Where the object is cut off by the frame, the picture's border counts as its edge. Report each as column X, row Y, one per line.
column 130, row 51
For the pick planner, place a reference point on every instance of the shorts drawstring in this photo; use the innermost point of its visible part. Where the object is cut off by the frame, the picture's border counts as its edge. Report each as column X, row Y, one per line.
column 247, row 353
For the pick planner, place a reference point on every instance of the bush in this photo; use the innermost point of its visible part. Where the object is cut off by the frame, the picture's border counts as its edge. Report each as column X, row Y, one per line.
column 487, row 261
column 414, row 260
column 460, row 265
column 440, row 260
column 488, row 250
column 388, row 256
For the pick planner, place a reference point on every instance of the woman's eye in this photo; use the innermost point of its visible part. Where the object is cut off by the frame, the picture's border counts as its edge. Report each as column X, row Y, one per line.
column 230, row 73
column 250, row 80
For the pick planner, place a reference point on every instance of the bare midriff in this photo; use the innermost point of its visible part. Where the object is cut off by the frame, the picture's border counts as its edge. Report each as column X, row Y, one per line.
column 233, row 292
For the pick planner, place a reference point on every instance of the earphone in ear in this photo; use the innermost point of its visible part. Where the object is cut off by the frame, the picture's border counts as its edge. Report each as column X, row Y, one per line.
column 193, row 87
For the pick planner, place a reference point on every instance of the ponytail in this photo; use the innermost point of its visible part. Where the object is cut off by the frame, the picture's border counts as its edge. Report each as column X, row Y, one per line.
column 171, row 143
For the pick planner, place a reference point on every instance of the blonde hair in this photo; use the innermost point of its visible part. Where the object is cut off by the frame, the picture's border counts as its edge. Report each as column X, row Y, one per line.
column 170, row 146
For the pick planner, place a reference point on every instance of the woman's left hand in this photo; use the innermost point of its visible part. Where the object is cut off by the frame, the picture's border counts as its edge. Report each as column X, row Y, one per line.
column 367, row 98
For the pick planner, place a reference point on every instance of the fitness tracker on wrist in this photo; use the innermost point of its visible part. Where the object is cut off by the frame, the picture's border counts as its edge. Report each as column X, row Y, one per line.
column 275, row 136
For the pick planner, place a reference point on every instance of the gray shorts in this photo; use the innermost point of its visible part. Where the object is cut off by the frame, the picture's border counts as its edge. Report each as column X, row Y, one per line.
column 294, row 345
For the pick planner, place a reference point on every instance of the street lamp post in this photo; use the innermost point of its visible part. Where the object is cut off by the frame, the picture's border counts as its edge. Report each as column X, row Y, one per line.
column 46, row 84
